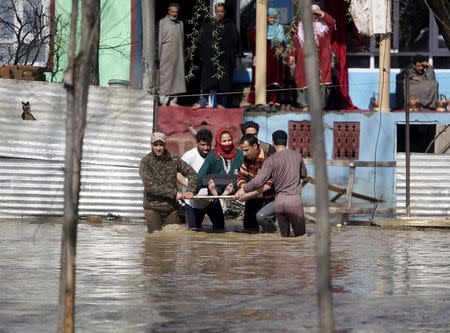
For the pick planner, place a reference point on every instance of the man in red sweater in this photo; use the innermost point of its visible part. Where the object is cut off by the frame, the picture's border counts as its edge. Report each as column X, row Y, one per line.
column 286, row 168
column 254, row 158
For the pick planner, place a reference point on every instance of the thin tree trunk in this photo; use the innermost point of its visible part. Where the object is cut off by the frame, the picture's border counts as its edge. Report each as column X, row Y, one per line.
column 67, row 274
column 441, row 10
column 326, row 316
column 76, row 81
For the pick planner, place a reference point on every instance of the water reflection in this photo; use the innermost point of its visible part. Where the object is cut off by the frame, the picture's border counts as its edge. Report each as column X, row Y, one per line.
column 220, row 281
column 181, row 281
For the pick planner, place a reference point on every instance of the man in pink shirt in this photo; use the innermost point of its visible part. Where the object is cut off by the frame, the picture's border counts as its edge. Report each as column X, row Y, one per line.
column 286, row 168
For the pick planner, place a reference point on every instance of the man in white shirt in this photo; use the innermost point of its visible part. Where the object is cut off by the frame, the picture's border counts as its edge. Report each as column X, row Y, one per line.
column 197, row 209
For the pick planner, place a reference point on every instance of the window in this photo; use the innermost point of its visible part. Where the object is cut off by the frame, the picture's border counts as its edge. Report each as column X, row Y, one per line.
column 25, row 32
column 414, row 30
column 300, row 137
column 346, row 140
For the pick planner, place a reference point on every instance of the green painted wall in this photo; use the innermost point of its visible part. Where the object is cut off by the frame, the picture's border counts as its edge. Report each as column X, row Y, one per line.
column 115, row 38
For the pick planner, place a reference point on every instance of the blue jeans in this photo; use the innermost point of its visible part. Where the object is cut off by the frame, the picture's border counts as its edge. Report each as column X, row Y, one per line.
column 214, row 211
column 216, row 99
column 266, row 217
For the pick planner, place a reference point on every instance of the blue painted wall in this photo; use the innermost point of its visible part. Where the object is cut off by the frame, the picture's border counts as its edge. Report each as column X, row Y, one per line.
column 364, row 83
column 378, row 141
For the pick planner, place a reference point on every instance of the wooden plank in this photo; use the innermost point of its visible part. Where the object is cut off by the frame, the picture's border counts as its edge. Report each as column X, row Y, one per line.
column 346, row 163
column 209, row 197
column 353, row 210
column 338, row 189
column 375, row 164
column 337, row 196
column 306, row 181
column 415, row 222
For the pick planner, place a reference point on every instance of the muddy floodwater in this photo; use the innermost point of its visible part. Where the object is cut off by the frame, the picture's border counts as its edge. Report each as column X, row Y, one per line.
column 175, row 280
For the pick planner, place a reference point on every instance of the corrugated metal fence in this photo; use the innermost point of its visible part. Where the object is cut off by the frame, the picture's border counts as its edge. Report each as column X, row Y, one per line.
column 119, row 125
column 430, row 185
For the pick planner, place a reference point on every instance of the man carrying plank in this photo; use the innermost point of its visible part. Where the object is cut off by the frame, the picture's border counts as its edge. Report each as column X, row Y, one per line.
column 197, row 209
column 254, row 157
column 158, row 171
column 286, row 168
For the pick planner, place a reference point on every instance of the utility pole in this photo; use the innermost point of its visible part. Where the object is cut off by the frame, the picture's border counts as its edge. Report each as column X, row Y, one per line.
column 326, row 315
column 407, row 149
column 261, row 52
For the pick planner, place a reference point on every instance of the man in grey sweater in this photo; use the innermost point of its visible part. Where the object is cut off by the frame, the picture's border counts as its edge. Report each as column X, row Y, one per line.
column 286, row 168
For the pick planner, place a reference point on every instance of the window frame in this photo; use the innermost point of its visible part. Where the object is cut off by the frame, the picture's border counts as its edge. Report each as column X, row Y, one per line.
column 433, row 39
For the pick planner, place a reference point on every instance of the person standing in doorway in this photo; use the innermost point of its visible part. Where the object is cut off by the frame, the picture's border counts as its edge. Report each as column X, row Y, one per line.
column 218, row 46
column 171, row 56
column 276, row 43
column 158, row 171
column 286, row 168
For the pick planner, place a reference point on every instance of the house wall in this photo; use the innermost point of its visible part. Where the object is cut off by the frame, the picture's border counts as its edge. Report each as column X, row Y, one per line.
column 364, row 83
column 115, row 29
column 373, row 147
column 117, row 134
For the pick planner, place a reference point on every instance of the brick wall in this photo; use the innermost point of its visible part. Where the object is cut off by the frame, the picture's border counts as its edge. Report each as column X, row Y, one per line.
column 22, row 72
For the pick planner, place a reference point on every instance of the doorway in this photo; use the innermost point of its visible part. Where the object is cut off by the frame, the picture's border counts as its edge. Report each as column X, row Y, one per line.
column 421, row 135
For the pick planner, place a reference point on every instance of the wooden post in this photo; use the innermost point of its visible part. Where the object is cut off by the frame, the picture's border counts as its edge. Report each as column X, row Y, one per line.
column 326, row 315
column 261, row 52
column 385, row 66
column 349, row 192
column 148, row 43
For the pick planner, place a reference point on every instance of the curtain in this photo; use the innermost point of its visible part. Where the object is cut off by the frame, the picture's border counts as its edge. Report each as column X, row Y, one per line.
column 339, row 9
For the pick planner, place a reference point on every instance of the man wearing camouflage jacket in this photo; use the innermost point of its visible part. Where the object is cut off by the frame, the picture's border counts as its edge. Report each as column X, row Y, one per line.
column 158, row 171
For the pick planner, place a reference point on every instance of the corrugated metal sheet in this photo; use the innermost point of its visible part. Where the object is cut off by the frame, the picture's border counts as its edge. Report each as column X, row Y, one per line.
column 430, row 185
column 119, row 125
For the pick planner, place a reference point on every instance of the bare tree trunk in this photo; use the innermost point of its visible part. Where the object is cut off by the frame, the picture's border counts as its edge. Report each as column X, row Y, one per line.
column 67, row 275
column 326, row 316
column 76, row 80
column 441, row 10
column 148, row 44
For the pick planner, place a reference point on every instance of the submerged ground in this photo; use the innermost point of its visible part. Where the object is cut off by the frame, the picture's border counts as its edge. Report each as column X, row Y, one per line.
column 176, row 280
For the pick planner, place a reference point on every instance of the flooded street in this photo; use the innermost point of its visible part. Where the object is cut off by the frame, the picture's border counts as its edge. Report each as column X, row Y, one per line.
column 384, row 280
